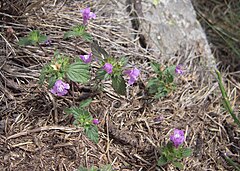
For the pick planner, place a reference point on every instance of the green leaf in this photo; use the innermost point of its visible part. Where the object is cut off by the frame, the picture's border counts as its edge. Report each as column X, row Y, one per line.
column 36, row 37
column 87, row 36
column 106, row 168
column 186, row 152
column 170, row 70
column 33, row 38
column 78, row 31
column 162, row 161
column 86, row 169
column 119, row 85
column 156, row 67
column 51, row 81
column 24, row 41
column 178, row 165
column 78, row 72
column 101, row 74
column 85, row 103
column 92, row 133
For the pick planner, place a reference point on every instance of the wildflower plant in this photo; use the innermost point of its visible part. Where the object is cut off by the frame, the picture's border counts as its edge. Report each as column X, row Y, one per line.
column 163, row 83
column 114, row 69
column 173, row 152
column 78, row 31
column 84, row 119
column 60, row 68
column 33, row 38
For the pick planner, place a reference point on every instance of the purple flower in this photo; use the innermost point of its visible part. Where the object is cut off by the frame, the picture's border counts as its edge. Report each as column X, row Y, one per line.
column 177, row 137
column 48, row 42
column 179, row 70
column 108, row 68
column 133, row 74
column 95, row 121
column 60, row 88
column 86, row 58
column 87, row 15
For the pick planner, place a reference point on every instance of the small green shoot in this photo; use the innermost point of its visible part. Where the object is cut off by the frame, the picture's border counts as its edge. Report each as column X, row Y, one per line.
column 84, row 119
column 170, row 154
column 225, row 99
column 78, row 31
column 34, row 38
column 163, row 83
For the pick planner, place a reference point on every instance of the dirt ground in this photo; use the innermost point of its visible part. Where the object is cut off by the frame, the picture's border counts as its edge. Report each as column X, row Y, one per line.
column 36, row 134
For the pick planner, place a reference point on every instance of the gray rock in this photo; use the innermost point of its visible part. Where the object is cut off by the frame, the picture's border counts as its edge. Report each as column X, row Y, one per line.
column 172, row 25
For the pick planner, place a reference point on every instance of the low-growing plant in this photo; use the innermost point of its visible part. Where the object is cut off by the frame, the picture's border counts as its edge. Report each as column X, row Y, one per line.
column 84, row 119
column 33, row 38
column 163, row 83
column 78, row 31
column 173, row 152
column 113, row 69
column 60, row 68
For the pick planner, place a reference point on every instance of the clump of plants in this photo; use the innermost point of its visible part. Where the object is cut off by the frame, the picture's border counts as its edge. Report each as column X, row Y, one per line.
column 174, row 151
column 62, row 71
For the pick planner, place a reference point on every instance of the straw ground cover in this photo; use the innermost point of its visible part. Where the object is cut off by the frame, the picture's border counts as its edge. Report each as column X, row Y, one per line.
column 37, row 135
column 221, row 20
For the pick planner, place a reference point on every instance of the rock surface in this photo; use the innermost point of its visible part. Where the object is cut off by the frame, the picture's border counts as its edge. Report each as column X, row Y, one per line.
column 171, row 25
column 168, row 27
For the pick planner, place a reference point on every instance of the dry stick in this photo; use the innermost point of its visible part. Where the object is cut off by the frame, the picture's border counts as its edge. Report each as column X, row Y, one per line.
column 45, row 128
column 45, row 52
column 225, row 98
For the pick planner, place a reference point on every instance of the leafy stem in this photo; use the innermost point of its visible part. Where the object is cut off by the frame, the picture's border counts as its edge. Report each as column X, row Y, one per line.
column 225, row 98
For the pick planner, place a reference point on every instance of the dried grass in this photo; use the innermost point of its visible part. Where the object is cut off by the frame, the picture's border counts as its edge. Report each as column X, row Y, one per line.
column 36, row 135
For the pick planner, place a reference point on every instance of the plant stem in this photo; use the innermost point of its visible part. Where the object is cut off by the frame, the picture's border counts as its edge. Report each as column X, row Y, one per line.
column 231, row 162
column 225, row 98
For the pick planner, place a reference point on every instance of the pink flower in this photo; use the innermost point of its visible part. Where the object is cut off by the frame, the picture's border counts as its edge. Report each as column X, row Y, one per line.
column 95, row 121
column 60, row 88
column 177, row 137
column 133, row 74
column 87, row 15
column 86, row 58
column 108, row 68
column 179, row 70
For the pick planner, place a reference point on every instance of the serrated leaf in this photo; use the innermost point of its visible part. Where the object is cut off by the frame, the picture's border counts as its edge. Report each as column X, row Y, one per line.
column 85, row 103
column 51, row 81
column 92, row 133
column 78, row 72
column 170, row 70
column 186, row 152
column 156, row 67
column 33, row 38
column 36, row 37
column 78, row 31
column 101, row 74
column 87, row 36
column 162, row 161
column 178, row 165
column 24, row 41
column 97, row 51
column 119, row 85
